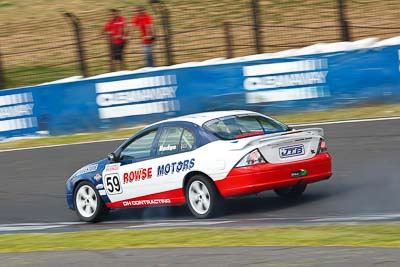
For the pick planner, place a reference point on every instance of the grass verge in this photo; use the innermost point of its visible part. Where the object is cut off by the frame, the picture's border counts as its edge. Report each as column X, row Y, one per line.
column 321, row 116
column 374, row 235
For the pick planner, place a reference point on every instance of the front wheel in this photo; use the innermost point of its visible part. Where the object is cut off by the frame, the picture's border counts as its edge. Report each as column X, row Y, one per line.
column 88, row 204
column 291, row 192
column 202, row 197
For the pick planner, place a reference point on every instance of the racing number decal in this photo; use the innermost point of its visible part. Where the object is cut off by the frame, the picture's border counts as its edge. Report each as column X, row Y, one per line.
column 112, row 184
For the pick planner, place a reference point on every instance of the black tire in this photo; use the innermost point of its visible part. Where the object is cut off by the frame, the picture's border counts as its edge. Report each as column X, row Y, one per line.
column 291, row 192
column 213, row 196
column 97, row 208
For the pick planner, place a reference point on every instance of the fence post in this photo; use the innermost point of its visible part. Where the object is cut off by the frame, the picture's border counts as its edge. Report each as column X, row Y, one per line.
column 2, row 79
column 164, row 13
column 167, row 34
column 255, row 8
column 228, row 39
column 344, row 25
column 110, row 53
column 76, row 24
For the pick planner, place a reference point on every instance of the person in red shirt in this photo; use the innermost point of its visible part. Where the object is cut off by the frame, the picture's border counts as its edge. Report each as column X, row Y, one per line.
column 144, row 22
column 117, row 33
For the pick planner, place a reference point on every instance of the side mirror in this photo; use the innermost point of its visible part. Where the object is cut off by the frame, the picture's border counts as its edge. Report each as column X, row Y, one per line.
column 112, row 157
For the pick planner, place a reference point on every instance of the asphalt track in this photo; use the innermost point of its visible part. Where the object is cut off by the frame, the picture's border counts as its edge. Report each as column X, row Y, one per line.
column 365, row 187
column 211, row 257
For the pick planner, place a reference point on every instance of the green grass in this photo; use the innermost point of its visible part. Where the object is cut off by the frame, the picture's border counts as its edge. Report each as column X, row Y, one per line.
column 322, row 116
column 379, row 235
column 5, row 4
column 37, row 74
column 343, row 114
column 69, row 139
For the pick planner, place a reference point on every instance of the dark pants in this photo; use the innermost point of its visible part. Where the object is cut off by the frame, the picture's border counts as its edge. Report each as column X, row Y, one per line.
column 148, row 52
column 117, row 51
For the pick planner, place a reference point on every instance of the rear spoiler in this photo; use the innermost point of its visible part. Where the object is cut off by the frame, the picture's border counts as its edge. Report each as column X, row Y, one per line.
column 281, row 137
column 312, row 131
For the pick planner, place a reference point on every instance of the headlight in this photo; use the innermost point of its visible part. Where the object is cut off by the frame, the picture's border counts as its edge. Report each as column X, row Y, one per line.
column 252, row 158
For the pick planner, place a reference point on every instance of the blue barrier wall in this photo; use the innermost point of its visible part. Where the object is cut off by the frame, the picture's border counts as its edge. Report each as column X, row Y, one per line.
column 275, row 86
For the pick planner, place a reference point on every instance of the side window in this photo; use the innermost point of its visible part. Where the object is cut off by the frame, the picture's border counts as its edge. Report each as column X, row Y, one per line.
column 249, row 124
column 187, row 141
column 169, row 141
column 140, row 147
column 174, row 140
column 269, row 125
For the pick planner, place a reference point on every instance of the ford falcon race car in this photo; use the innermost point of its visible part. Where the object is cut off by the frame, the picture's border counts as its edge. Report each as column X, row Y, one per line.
column 199, row 160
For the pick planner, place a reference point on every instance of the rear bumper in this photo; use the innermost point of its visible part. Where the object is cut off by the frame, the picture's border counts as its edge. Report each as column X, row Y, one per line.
column 258, row 178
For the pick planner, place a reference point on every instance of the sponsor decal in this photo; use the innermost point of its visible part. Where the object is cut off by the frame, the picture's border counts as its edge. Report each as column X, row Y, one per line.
column 125, row 98
column 100, row 186
column 178, row 166
column 16, row 112
column 129, row 203
column 137, row 175
column 270, row 82
column 299, row 173
column 165, row 169
column 97, row 177
column 86, row 169
column 398, row 52
column 114, row 167
column 291, row 151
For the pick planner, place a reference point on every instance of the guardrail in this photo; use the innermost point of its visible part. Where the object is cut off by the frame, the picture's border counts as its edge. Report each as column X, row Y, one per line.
column 270, row 83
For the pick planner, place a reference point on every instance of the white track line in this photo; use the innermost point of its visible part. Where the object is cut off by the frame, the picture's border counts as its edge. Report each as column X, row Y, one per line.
column 121, row 139
column 60, row 145
column 180, row 224
column 265, row 221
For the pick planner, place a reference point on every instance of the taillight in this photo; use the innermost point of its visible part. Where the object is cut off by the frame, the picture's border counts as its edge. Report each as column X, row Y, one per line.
column 252, row 158
column 322, row 146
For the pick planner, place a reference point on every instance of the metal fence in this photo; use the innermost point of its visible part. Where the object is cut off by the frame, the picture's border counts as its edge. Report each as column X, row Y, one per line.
column 70, row 44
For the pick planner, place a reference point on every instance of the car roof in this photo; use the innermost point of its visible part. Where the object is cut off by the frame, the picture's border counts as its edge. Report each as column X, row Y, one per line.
column 201, row 118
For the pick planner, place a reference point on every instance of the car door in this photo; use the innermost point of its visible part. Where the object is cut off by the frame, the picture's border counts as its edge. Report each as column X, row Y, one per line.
column 132, row 176
column 175, row 157
column 152, row 168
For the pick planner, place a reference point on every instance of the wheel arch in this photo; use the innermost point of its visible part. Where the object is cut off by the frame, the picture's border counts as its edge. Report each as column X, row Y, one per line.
column 193, row 173
column 73, row 185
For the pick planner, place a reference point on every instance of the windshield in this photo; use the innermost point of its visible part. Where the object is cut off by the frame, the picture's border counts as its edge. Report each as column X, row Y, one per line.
column 235, row 127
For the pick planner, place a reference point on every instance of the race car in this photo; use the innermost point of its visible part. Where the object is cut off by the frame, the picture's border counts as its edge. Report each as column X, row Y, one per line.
column 200, row 160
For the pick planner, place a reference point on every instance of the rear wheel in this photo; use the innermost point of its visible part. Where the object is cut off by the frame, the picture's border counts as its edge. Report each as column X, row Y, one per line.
column 88, row 204
column 291, row 192
column 202, row 197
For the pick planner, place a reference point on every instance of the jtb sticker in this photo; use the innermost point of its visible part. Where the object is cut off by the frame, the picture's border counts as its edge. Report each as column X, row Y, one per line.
column 291, row 151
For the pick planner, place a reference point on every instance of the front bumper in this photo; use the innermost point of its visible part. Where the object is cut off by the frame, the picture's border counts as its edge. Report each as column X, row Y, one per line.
column 261, row 177
column 70, row 201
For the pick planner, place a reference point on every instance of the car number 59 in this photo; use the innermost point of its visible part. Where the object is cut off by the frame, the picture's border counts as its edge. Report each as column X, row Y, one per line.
column 112, row 184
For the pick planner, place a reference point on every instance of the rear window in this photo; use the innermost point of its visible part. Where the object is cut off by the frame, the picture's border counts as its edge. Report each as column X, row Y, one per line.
column 236, row 127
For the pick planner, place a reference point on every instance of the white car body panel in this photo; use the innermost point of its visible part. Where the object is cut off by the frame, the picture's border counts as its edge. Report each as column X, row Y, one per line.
column 215, row 159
